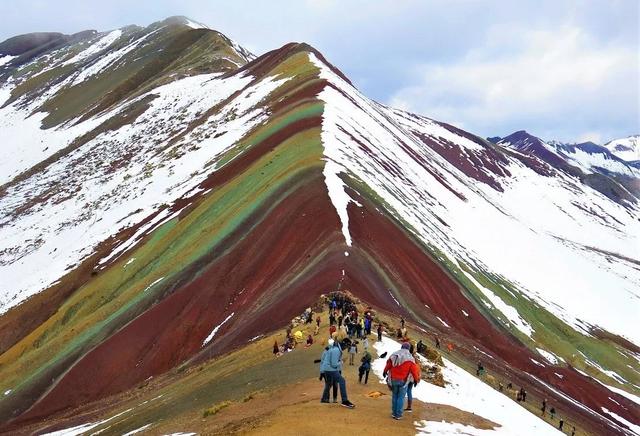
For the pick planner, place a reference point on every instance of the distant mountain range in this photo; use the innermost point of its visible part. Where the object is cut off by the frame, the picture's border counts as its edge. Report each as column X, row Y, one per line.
column 595, row 165
column 167, row 197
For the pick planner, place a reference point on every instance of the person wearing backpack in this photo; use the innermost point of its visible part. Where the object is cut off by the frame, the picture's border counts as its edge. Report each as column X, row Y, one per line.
column 364, row 368
column 402, row 370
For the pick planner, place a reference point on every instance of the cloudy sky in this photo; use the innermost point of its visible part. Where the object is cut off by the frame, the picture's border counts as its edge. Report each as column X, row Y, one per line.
column 566, row 70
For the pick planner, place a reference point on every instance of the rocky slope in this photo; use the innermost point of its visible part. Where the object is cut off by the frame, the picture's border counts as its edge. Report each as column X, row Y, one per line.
column 166, row 197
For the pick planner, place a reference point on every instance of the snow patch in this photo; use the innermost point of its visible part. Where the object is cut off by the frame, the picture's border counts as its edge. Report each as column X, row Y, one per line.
column 466, row 392
column 215, row 330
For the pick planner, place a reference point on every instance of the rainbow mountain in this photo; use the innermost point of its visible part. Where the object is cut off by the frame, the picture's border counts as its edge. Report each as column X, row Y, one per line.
column 166, row 196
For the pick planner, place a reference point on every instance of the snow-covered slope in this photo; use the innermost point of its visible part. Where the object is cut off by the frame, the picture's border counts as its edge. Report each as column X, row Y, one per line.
column 466, row 392
column 627, row 149
column 532, row 231
column 144, row 164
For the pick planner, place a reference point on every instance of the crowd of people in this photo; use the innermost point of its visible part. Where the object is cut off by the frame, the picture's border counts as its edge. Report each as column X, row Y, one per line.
column 349, row 332
column 348, row 329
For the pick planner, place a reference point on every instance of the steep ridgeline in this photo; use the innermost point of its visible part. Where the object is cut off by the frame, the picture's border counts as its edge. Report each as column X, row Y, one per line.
column 166, row 197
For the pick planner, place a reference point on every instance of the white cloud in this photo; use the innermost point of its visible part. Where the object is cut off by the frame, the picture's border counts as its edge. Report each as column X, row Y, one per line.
column 550, row 77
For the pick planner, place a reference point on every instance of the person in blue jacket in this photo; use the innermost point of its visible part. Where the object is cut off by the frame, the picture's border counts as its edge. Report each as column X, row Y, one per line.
column 331, row 367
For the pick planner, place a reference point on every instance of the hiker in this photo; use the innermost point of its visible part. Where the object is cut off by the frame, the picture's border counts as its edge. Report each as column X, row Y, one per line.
column 331, row 365
column 332, row 329
column 309, row 341
column 379, row 332
column 353, row 350
column 410, row 385
column 480, row 370
column 318, row 321
column 364, row 368
column 450, row 347
column 573, row 432
column 420, row 347
column 561, row 424
column 329, row 383
column 365, row 343
column 316, row 330
column 402, row 370
column 340, row 318
column 523, row 393
column 360, row 328
column 510, row 385
column 552, row 412
column 332, row 318
column 437, row 343
column 519, row 396
column 367, row 326
column 544, row 406
column 401, row 322
column 276, row 349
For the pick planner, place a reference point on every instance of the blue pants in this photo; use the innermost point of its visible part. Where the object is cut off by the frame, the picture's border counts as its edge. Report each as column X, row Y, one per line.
column 409, row 396
column 335, row 377
column 398, row 391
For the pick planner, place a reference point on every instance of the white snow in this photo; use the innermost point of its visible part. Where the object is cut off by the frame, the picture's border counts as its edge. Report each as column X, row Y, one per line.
column 466, row 392
column 83, row 428
column 137, row 430
column 101, row 44
column 110, row 59
column 6, row 59
column 551, row 237
column 552, row 358
column 215, row 330
column 195, row 25
column 625, row 148
column 336, row 189
column 443, row 323
column 510, row 312
column 91, row 200
column 7, row 392
column 633, row 427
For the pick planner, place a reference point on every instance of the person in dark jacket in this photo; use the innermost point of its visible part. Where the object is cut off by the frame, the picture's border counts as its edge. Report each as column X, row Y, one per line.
column 379, row 332
column 364, row 368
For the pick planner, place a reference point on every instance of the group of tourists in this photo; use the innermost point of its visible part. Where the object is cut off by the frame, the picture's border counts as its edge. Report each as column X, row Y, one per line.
column 521, row 396
column 347, row 330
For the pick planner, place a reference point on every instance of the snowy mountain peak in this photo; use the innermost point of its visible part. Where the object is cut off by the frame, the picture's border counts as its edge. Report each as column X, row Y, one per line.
column 627, row 149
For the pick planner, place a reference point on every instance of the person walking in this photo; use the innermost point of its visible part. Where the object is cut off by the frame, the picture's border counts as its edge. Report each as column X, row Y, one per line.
column 552, row 412
column 573, row 432
column 353, row 350
column 332, row 368
column 379, row 332
column 561, row 424
column 365, row 367
column 402, row 370
column 544, row 406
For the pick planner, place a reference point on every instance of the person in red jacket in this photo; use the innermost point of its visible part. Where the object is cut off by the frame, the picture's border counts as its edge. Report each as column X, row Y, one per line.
column 402, row 370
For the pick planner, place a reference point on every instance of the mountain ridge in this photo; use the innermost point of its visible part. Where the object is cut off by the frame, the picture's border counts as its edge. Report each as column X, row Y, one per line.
column 283, row 158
